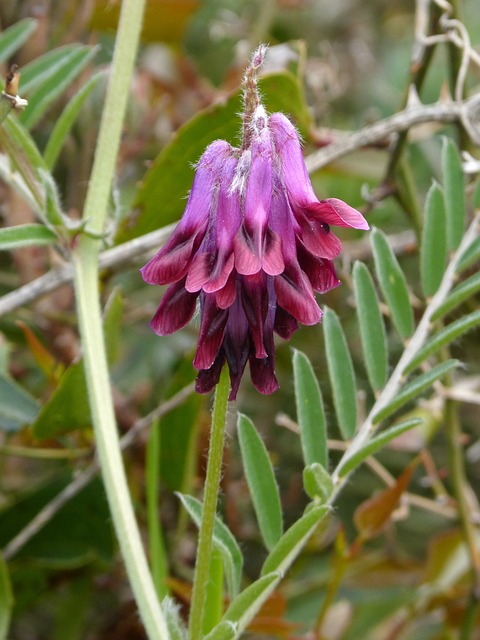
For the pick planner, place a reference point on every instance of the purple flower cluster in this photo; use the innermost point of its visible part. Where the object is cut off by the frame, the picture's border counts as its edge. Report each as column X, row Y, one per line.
column 253, row 246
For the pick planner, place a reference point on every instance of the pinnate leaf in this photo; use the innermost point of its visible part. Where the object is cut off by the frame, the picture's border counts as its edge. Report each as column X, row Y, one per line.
column 393, row 284
column 223, row 541
column 433, row 250
column 340, row 370
column 372, row 327
column 415, row 388
column 261, row 482
column 310, row 412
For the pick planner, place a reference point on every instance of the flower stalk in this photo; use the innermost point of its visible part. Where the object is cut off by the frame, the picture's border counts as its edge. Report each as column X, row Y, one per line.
column 212, row 484
column 85, row 260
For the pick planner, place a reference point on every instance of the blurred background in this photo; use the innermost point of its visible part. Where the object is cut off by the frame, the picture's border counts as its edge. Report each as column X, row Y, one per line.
column 334, row 67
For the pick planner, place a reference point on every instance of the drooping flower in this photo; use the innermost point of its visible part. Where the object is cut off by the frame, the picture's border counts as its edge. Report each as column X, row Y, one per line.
column 253, row 247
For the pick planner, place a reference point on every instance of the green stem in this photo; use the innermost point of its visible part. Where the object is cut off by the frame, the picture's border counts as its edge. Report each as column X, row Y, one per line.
column 85, row 260
column 212, row 484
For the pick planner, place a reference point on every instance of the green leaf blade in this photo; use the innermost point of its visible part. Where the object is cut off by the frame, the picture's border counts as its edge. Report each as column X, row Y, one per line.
column 26, row 235
column 433, row 250
column 317, row 482
column 415, row 388
column 67, row 119
column 375, row 444
column 393, row 284
column 293, row 540
column 11, row 39
column 55, row 81
column 223, row 541
column 17, row 407
column 451, row 332
column 341, row 374
column 310, row 411
column 459, row 294
column 372, row 327
column 261, row 482
column 454, row 190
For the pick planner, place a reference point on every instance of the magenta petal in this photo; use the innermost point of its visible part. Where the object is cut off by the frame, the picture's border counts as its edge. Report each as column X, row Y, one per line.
column 212, row 330
column 220, row 273
column 285, row 324
column 208, row 378
column 172, row 261
column 225, row 297
column 336, row 212
column 273, row 263
column 295, row 295
column 198, row 272
column 255, row 305
column 248, row 252
column 263, row 376
column 318, row 238
column 319, row 271
column 176, row 309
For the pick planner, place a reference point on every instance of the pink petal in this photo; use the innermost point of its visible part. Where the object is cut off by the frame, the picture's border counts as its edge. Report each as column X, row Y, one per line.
column 319, row 271
column 336, row 212
column 176, row 309
column 212, row 330
column 318, row 238
column 295, row 295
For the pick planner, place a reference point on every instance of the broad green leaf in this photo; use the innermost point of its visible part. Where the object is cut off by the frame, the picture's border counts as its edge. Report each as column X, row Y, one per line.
column 340, row 370
column 375, row 444
column 372, row 327
column 310, row 412
column 454, row 190
column 112, row 320
column 317, row 482
column 17, row 407
column 245, row 607
column 25, row 235
column 179, row 431
column 261, row 482
column 433, row 249
column 393, row 284
column 67, row 409
column 79, row 533
column 459, row 294
column 451, row 332
column 223, row 541
column 6, row 600
column 54, row 83
column 415, row 387
column 73, row 609
column 11, row 39
column 171, row 174
column 292, row 542
column 67, row 119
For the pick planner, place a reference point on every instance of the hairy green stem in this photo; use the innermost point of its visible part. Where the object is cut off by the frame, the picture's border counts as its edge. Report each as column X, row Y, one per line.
column 212, row 483
column 85, row 260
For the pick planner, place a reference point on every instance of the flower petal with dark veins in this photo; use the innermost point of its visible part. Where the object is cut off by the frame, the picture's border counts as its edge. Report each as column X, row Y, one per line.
column 176, row 309
column 319, row 271
column 295, row 295
column 212, row 329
